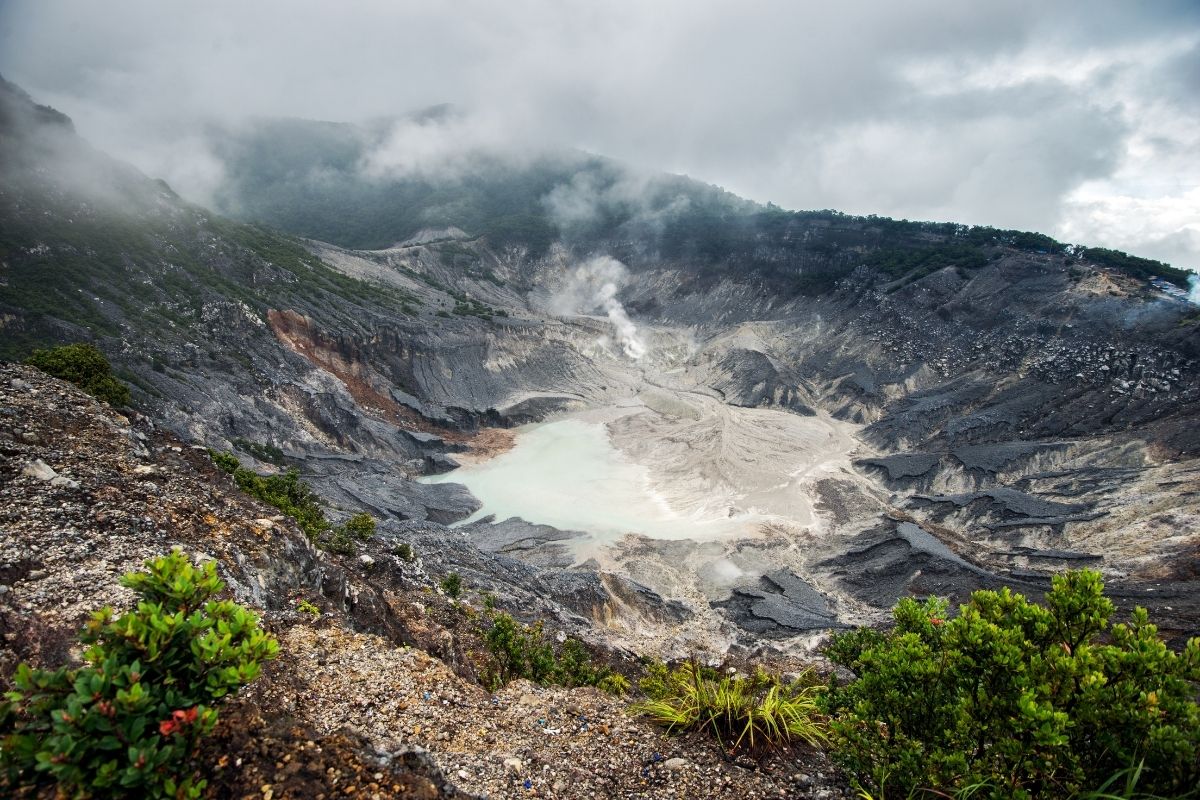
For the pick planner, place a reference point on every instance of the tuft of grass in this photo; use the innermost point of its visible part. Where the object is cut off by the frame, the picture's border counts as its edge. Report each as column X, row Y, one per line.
column 757, row 711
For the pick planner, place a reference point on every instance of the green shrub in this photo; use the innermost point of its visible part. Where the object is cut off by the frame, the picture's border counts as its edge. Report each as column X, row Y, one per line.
column 518, row 651
column 405, row 551
column 523, row 651
column 263, row 452
column 360, row 526
column 1024, row 700
column 757, row 711
column 452, row 585
column 574, row 665
column 86, row 367
column 285, row 492
column 306, row 607
column 344, row 538
column 126, row 724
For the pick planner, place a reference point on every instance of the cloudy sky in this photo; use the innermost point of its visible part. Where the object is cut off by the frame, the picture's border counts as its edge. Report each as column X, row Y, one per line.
column 1079, row 119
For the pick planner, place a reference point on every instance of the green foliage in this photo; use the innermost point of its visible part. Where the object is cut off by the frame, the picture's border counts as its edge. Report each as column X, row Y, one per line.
column 1143, row 268
column 916, row 264
column 344, row 538
column 757, row 711
column 306, row 607
column 263, row 452
column 614, row 683
column 361, row 526
column 452, row 585
column 523, row 651
column 126, row 724
column 86, row 367
column 1026, row 700
column 518, row 651
column 285, row 492
column 405, row 551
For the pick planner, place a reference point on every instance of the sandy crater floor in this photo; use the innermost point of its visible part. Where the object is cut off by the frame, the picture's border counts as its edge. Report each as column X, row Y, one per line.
column 674, row 488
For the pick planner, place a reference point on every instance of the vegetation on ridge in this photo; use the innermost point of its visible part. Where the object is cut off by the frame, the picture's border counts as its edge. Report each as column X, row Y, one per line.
column 127, row 723
column 523, row 651
column 1016, row 699
column 755, row 711
column 295, row 498
column 85, row 366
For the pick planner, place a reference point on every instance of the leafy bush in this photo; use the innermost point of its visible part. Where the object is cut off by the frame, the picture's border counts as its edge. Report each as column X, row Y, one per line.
column 263, row 452
column 518, row 651
column 127, row 723
column 523, row 651
column 1026, row 700
column 758, row 710
column 344, row 538
column 361, row 526
column 86, row 367
column 285, row 492
column 405, row 551
column 452, row 585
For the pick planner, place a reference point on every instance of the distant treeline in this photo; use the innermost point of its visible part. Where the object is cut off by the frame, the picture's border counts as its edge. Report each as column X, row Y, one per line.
column 309, row 178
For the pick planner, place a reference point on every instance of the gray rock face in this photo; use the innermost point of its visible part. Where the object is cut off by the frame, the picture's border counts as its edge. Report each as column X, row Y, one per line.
column 541, row 545
column 1017, row 509
column 784, row 606
column 904, row 465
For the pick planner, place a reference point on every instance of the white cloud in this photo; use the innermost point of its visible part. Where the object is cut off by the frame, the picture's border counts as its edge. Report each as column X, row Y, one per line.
column 1075, row 118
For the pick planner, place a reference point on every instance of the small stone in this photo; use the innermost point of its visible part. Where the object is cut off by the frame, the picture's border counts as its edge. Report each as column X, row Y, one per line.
column 29, row 437
column 366, row 560
column 66, row 483
column 514, row 765
column 18, row 383
column 463, row 774
column 676, row 764
column 265, row 524
column 39, row 469
column 145, row 469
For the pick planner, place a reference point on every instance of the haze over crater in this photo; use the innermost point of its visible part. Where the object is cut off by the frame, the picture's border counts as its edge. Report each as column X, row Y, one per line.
column 1076, row 119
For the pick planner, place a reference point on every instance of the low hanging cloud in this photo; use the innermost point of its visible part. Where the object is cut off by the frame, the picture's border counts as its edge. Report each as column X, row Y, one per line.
column 1079, row 119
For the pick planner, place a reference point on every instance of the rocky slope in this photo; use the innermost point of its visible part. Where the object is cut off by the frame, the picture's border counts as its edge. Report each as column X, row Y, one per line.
column 358, row 702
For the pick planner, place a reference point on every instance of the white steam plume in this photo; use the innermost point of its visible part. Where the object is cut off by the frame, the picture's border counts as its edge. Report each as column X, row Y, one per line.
column 592, row 287
column 1194, row 289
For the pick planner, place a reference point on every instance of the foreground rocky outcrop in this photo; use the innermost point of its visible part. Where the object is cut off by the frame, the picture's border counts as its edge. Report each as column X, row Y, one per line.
column 374, row 696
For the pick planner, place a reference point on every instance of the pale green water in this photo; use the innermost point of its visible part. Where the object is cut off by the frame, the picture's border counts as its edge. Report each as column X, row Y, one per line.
column 567, row 474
